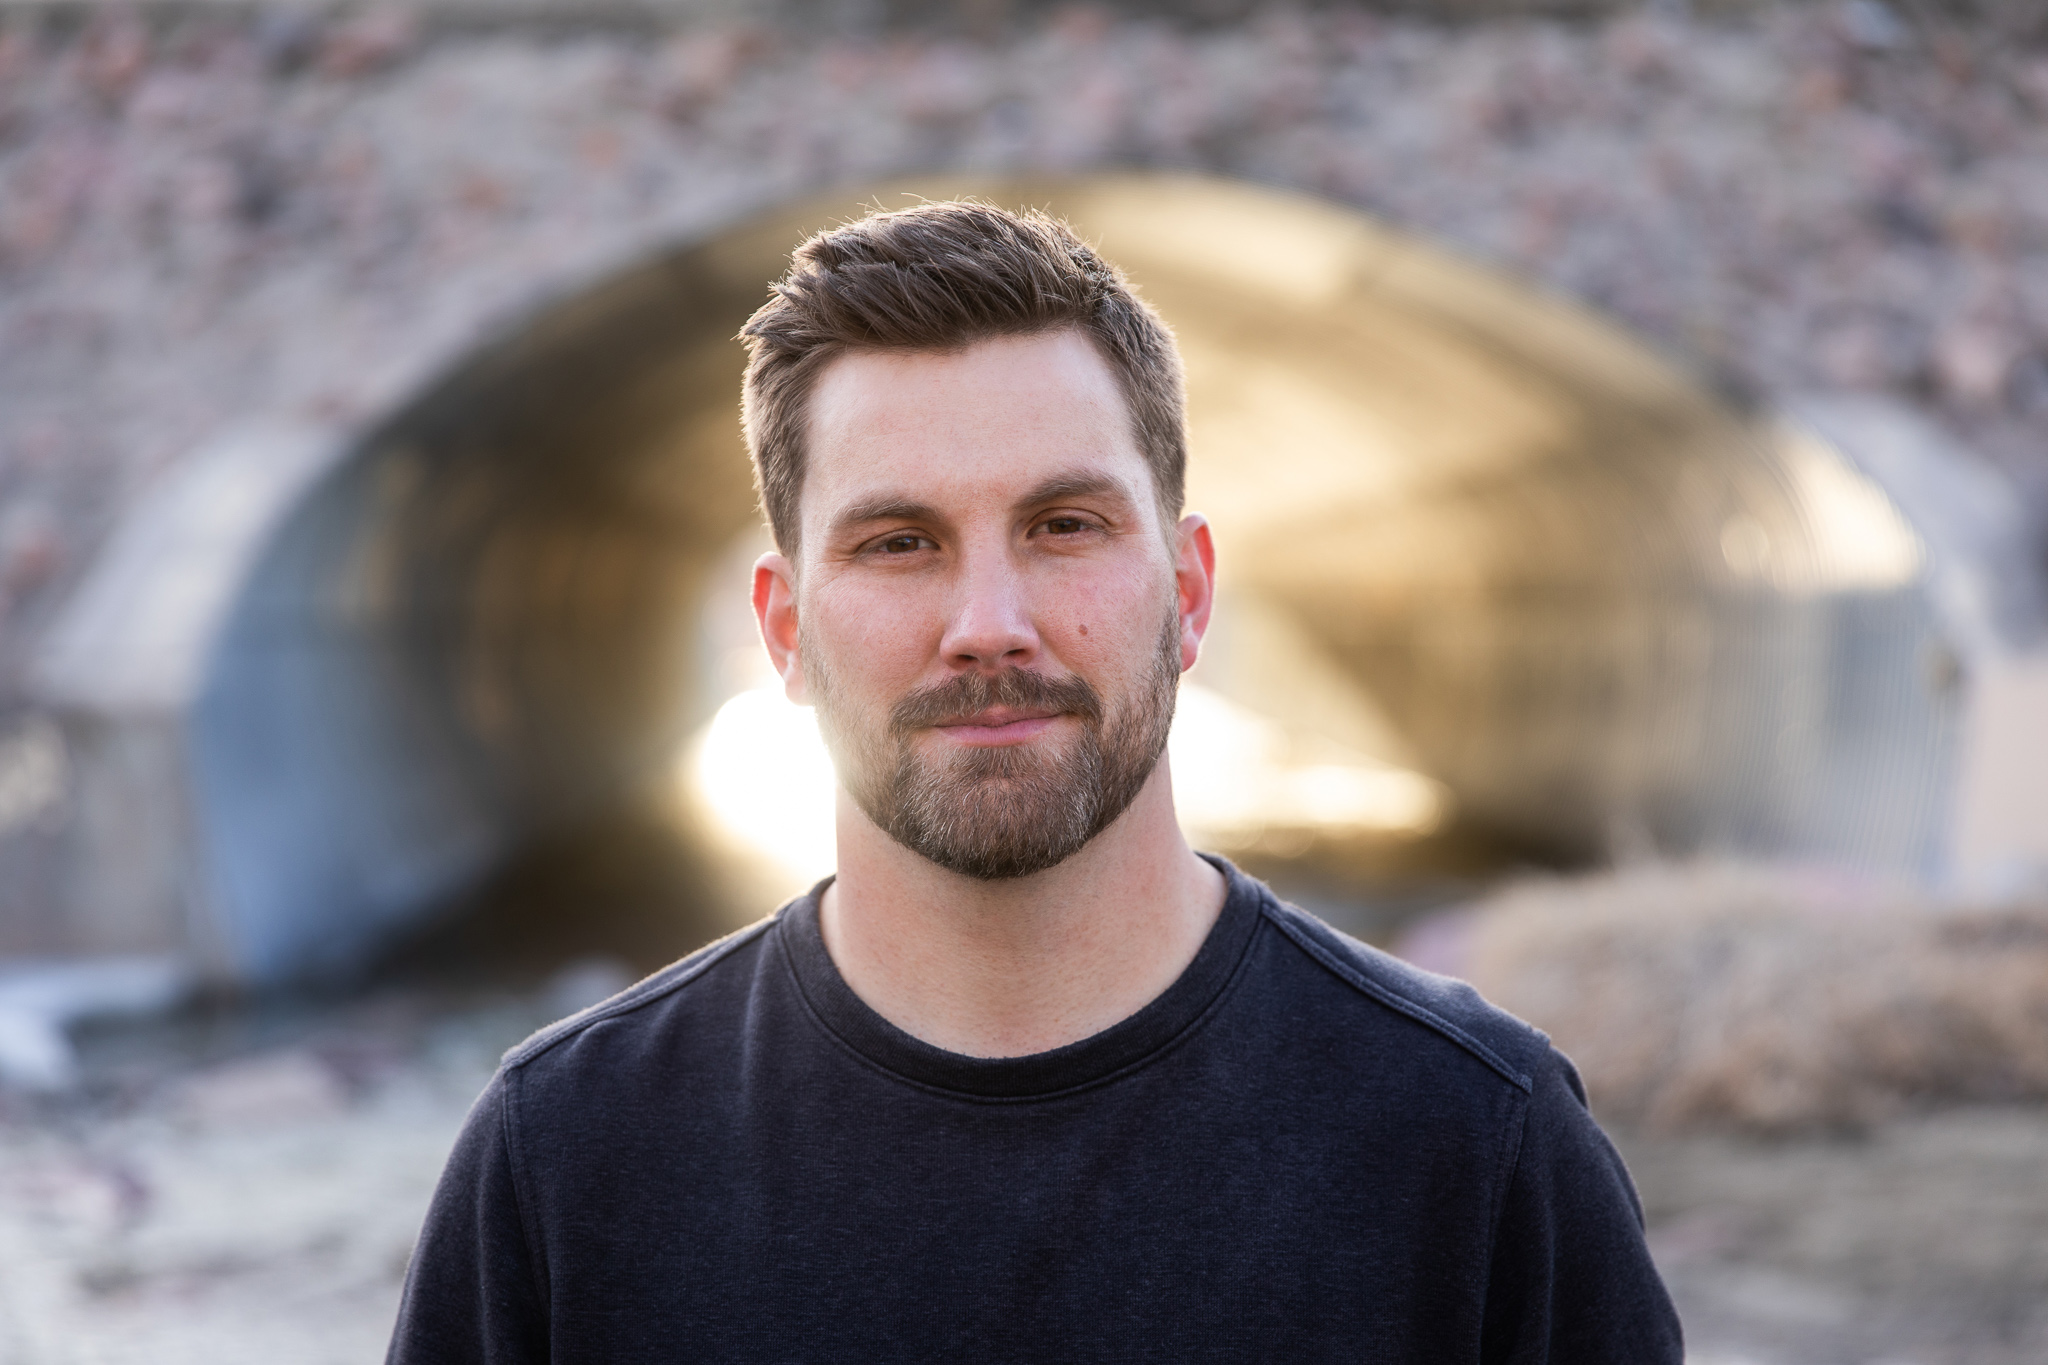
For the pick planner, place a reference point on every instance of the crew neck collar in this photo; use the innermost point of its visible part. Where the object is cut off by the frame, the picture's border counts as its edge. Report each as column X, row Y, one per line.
column 1088, row 1060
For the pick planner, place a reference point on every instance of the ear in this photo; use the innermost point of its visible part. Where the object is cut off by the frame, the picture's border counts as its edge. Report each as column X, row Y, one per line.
column 775, row 612
column 1194, row 574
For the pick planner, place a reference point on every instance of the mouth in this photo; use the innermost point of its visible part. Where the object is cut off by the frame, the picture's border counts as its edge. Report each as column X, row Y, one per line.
column 997, row 725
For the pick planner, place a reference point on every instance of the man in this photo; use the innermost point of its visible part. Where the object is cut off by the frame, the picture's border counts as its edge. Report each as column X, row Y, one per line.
column 1029, row 1079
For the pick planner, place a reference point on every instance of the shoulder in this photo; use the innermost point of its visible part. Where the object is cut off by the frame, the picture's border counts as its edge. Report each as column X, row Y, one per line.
column 1442, row 1009
column 700, row 988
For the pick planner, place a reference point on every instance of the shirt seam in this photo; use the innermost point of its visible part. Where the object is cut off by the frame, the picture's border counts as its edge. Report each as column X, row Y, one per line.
column 536, row 1247
column 1510, row 1169
column 1135, row 1065
column 1400, row 1004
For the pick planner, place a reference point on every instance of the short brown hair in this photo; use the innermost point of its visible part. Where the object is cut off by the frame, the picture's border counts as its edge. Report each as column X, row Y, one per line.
column 938, row 277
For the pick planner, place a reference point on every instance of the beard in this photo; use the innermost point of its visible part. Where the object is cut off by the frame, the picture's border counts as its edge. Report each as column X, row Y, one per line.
column 1009, row 811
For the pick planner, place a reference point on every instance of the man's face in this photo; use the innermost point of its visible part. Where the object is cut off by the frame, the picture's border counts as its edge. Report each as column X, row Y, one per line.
column 989, row 616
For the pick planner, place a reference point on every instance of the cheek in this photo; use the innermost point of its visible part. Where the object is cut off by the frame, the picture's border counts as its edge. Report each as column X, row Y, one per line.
column 1114, row 624
column 873, row 636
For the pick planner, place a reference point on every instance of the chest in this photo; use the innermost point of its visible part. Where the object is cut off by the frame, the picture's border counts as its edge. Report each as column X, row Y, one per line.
column 1121, row 1228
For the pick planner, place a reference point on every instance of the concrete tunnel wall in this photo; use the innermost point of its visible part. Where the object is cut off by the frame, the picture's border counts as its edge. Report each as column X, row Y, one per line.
column 1462, row 524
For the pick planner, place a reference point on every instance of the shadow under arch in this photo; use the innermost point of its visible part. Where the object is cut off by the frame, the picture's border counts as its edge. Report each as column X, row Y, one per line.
column 1464, row 525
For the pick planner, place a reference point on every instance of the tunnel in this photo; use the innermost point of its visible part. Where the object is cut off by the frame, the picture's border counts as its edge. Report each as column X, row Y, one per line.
column 1499, row 587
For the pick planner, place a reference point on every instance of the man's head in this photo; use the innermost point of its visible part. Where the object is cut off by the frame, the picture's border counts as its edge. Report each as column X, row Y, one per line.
column 982, row 584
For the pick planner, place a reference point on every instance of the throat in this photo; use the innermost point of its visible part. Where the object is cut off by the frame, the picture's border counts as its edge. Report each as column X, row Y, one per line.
column 1022, row 966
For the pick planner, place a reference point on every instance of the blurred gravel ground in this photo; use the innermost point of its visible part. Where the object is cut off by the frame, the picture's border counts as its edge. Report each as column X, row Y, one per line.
column 247, row 1206
column 300, row 216
column 1922, row 1241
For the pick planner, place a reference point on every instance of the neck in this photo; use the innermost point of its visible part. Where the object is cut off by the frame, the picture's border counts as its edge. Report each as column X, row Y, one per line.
column 1009, row 968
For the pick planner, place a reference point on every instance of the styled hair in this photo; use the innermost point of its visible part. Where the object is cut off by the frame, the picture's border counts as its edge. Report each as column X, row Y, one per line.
column 939, row 277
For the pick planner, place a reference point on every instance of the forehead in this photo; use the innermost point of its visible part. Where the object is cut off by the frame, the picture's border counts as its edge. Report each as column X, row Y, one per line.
column 979, row 425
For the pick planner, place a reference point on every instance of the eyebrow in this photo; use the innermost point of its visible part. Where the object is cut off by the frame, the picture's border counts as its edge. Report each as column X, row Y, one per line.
column 888, row 507
column 1075, row 484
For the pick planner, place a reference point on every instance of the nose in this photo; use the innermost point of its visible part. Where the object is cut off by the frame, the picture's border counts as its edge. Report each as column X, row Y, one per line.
column 989, row 626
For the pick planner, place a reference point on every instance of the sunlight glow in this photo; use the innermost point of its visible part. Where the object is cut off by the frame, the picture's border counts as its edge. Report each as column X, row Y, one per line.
column 1235, row 779
column 764, row 777
column 1861, row 539
column 762, row 774
column 1851, row 536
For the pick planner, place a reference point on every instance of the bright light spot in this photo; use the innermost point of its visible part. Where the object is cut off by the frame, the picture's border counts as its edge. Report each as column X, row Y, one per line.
column 1855, row 538
column 765, row 779
column 1234, row 780
column 1860, row 538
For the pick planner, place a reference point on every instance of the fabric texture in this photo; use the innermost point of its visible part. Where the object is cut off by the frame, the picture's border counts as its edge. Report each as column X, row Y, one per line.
column 1304, row 1150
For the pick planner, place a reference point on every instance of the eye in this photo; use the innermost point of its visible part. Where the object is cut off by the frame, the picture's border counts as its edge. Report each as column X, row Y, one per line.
column 1065, row 526
column 903, row 544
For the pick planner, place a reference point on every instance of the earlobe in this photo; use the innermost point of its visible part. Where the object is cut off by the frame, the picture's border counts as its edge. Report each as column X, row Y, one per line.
column 775, row 613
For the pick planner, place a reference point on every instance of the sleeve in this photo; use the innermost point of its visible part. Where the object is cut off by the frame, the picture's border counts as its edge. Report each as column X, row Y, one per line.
column 474, row 1291
column 1572, row 1282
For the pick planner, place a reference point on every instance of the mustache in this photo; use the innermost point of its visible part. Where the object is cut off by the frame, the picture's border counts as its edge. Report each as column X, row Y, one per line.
column 1013, row 688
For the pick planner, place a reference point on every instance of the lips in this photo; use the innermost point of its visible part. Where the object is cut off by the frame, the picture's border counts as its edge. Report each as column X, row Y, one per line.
column 997, row 727
column 995, row 717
